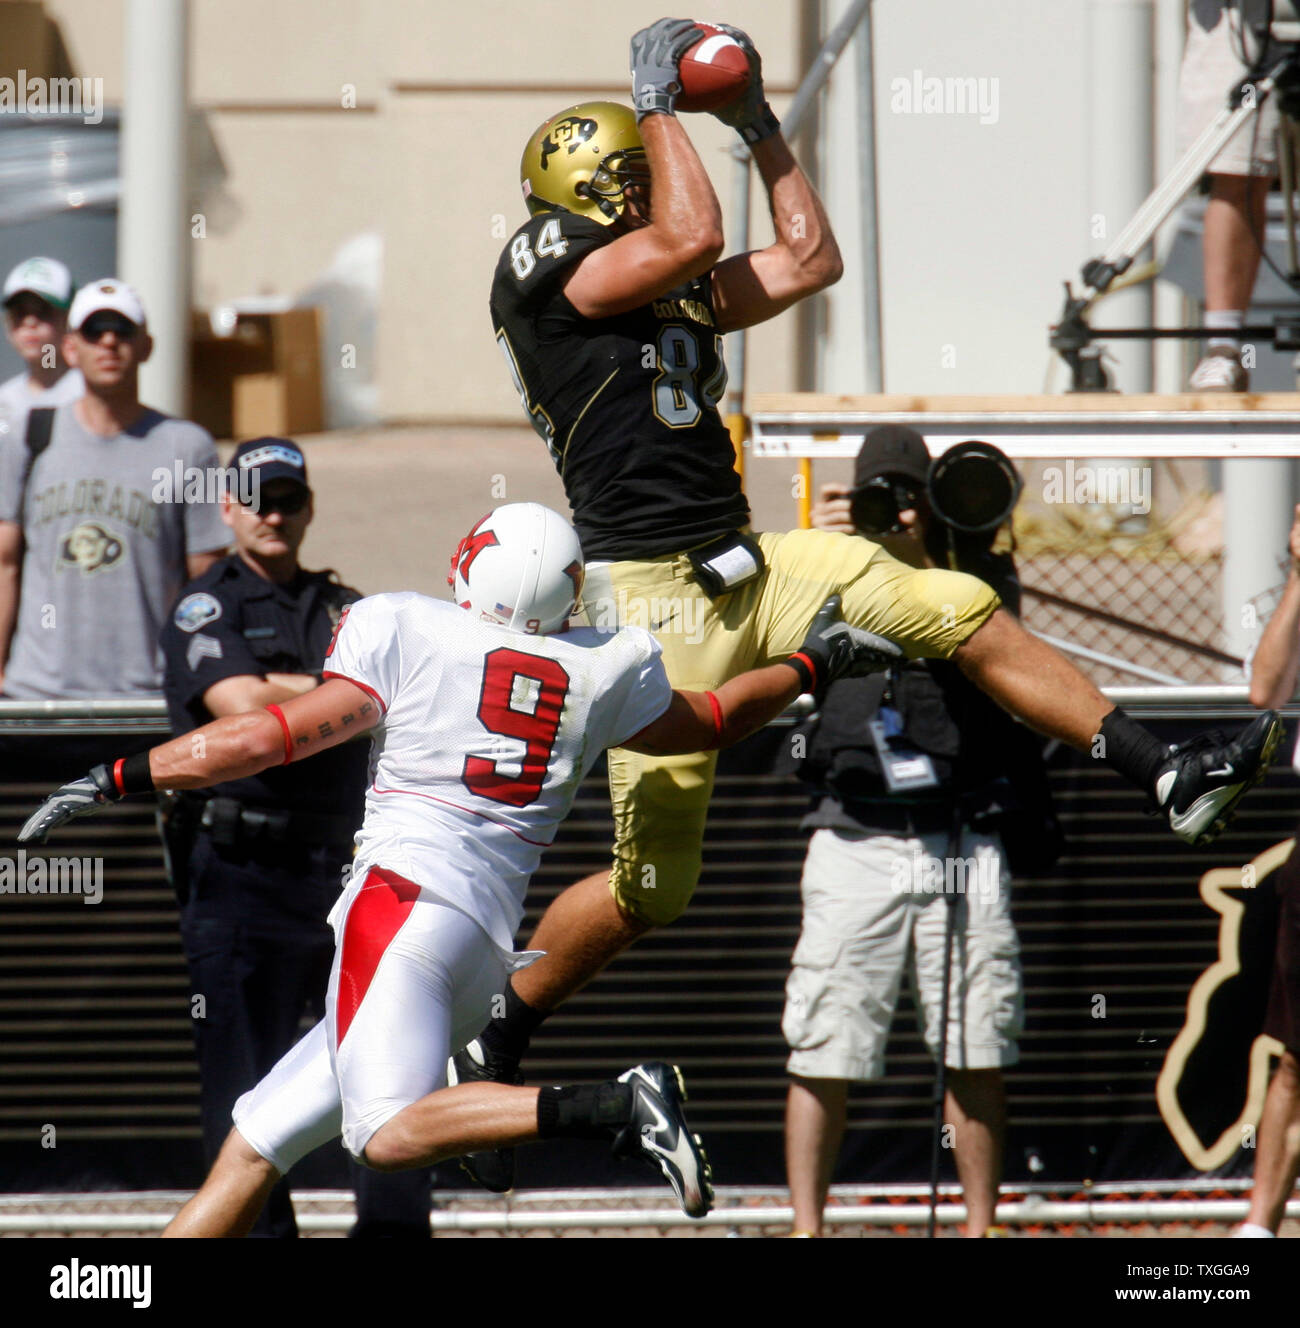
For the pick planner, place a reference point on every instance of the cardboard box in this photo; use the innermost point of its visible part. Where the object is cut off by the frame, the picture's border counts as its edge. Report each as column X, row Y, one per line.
column 263, row 379
column 293, row 403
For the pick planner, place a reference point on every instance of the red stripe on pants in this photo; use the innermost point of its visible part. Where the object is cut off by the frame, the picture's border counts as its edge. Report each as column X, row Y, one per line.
column 382, row 905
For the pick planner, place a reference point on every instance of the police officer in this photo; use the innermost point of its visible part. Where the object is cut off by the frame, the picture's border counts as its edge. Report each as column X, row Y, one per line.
column 259, row 862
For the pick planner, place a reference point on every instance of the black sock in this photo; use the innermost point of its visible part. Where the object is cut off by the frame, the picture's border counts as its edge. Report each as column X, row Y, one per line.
column 1135, row 752
column 583, row 1111
column 509, row 1034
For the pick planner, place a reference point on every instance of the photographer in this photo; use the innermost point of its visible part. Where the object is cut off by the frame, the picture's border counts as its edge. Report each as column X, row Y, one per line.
column 927, row 791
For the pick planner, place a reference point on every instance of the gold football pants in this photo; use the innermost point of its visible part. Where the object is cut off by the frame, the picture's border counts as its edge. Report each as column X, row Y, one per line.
column 660, row 803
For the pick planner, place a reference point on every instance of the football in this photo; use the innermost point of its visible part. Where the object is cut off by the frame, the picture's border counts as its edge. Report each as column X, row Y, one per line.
column 714, row 72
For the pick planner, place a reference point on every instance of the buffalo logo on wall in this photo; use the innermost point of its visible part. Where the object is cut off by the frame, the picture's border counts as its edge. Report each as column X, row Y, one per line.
column 1212, row 1085
column 89, row 548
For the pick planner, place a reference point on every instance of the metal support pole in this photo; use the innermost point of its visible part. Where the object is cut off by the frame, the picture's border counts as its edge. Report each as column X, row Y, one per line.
column 836, row 40
column 873, row 354
column 738, row 239
column 1119, row 34
column 153, row 244
column 1256, row 526
column 1169, row 304
column 738, row 243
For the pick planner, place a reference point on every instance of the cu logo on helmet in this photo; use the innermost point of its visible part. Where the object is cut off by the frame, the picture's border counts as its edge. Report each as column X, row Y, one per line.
column 571, row 132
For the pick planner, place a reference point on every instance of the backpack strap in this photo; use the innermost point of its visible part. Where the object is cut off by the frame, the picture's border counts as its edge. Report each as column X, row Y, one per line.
column 40, row 428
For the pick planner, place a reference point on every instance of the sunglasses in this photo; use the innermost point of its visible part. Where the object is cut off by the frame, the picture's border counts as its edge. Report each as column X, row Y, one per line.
column 289, row 503
column 96, row 325
column 25, row 304
column 875, row 505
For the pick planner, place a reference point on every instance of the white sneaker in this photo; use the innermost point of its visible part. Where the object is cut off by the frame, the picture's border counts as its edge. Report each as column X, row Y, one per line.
column 1220, row 370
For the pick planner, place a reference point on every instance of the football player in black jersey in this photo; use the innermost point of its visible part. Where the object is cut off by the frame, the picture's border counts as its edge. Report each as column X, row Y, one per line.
column 609, row 304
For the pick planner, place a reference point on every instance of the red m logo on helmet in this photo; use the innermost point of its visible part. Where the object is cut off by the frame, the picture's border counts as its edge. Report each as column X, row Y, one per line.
column 469, row 548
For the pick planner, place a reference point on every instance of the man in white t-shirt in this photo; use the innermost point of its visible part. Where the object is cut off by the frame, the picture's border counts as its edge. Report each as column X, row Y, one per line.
column 37, row 294
column 484, row 719
column 97, row 532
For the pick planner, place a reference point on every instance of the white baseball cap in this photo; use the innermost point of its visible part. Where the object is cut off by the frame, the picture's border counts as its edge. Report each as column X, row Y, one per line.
column 46, row 277
column 106, row 293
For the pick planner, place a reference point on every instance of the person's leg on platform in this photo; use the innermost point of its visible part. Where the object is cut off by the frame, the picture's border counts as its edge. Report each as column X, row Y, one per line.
column 1232, row 238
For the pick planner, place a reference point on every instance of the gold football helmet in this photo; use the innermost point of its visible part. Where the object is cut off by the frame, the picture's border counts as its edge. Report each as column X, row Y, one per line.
column 583, row 160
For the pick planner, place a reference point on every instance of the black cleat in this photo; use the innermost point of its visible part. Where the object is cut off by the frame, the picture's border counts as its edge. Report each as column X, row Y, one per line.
column 494, row 1169
column 1204, row 778
column 659, row 1135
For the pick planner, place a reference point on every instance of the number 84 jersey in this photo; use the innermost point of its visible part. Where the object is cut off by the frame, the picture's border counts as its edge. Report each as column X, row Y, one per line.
column 485, row 737
column 628, row 405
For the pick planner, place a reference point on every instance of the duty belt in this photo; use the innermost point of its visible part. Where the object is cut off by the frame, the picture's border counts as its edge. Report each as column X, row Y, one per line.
column 232, row 823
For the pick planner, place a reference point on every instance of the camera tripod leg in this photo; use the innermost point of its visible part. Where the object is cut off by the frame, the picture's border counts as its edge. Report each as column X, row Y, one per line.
column 1166, row 196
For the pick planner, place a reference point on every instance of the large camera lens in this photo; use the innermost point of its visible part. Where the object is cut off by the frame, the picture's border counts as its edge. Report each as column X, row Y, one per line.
column 974, row 487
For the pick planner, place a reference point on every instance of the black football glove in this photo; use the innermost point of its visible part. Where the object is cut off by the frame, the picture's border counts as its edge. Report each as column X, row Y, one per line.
column 655, row 52
column 749, row 115
column 87, row 794
column 841, row 651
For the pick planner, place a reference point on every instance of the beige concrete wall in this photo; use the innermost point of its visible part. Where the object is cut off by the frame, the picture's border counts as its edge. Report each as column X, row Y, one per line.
column 557, row 44
column 299, row 184
column 428, row 156
column 92, row 32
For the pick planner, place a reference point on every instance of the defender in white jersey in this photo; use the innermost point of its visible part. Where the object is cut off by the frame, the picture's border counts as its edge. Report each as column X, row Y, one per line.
column 483, row 741
column 481, row 735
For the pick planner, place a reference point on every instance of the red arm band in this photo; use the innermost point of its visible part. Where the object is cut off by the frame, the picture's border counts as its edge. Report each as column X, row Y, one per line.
column 131, row 774
column 806, row 667
column 284, row 729
column 716, row 707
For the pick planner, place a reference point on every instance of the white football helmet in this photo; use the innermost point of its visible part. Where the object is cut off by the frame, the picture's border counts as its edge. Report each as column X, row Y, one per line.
column 521, row 566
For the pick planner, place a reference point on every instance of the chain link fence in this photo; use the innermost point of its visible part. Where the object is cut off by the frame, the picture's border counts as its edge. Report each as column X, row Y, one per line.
column 1141, row 589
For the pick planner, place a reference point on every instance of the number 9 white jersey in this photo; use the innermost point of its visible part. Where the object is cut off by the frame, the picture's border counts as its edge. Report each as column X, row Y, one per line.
column 485, row 737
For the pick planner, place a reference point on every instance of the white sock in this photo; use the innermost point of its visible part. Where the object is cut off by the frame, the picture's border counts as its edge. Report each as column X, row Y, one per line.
column 1252, row 1231
column 1225, row 327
